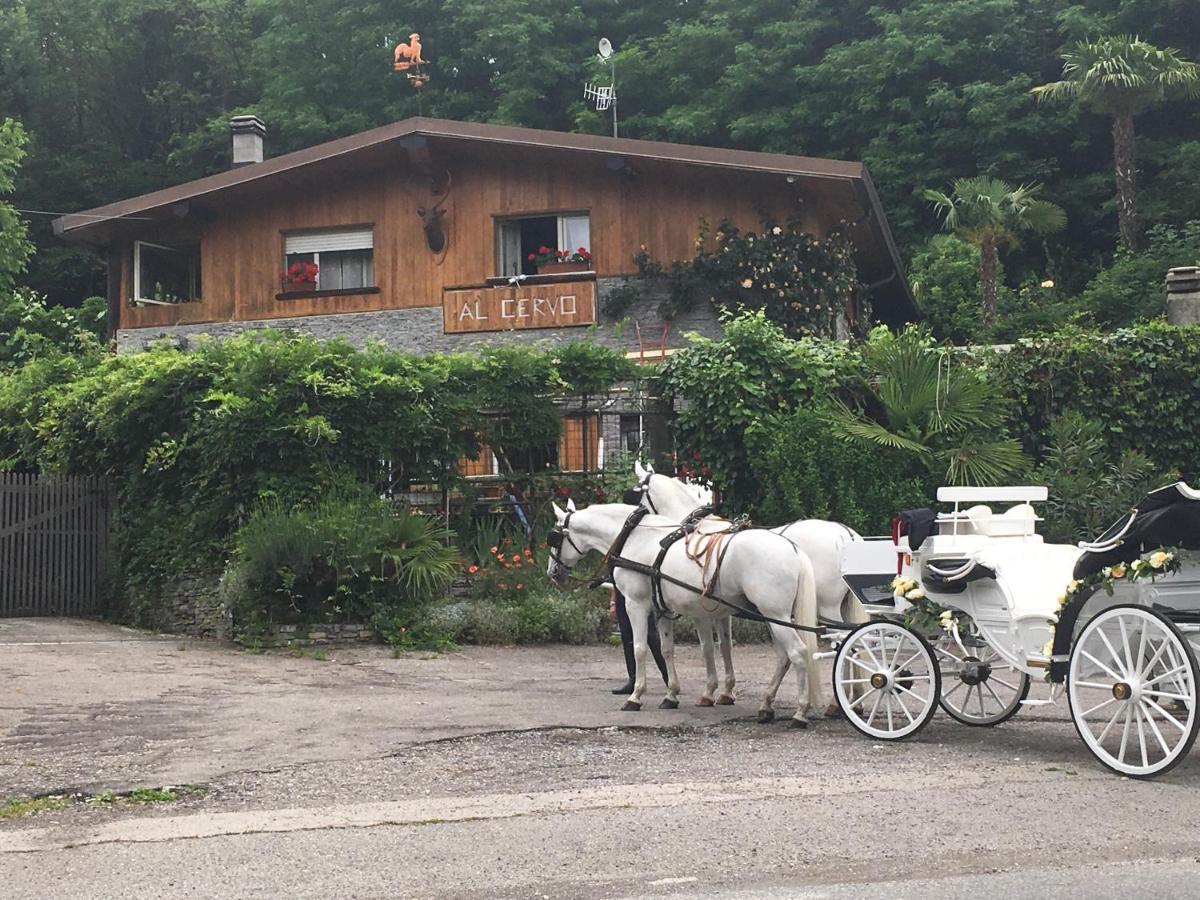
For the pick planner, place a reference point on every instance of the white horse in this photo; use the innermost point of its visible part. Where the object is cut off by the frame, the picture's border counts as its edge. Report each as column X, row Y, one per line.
column 759, row 569
column 821, row 540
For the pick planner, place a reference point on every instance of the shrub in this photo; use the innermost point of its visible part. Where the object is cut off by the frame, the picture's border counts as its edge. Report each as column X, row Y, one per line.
column 1140, row 385
column 1090, row 486
column 814, row 474
column 347, row 558
column 1133, row 288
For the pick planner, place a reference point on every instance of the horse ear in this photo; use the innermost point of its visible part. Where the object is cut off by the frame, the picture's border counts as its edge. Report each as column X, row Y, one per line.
column 639, row 470
column 650, row 468
column 558, row 513
column 570, row 505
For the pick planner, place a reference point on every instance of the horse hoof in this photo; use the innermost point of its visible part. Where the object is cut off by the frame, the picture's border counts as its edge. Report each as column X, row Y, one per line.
column 765, row 716
column 725, row 700
column 833, row 711
column 797, row 723
column 631, row 706
column 705, row 701
column 668, row 703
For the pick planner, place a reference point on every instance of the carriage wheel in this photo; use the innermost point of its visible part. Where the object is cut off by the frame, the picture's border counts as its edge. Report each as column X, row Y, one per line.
column 886, row 680
column 978, row 687
column 1132, row 685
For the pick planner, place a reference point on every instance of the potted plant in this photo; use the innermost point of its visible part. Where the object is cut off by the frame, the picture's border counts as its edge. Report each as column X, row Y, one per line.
column 300, row 276
column 554, row 262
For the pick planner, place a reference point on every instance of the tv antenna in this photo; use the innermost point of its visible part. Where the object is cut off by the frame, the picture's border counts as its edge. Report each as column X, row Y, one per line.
column 604, row 97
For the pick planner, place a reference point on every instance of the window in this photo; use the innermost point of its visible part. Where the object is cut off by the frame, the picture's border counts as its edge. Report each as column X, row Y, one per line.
column 518, row 237
column 345, row 259
column 165, row 275
column 579, row 445
column 631, row 433
column 483, row 463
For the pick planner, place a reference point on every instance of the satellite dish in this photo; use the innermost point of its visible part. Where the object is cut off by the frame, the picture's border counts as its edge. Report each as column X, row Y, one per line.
column 605, row 48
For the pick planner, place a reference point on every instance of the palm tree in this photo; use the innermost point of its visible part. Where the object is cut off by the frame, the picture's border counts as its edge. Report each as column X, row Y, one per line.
column 921, row 401
column 1121, row 76
column 989, row 212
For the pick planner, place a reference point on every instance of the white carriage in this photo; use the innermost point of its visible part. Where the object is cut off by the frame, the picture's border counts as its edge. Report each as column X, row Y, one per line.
column 1126, row 659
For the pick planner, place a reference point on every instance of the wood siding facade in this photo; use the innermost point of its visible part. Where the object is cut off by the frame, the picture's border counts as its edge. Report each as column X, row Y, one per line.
column 660, row 207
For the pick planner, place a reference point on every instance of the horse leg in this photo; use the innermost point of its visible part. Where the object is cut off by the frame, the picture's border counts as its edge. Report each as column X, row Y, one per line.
column 666, row 637
column 704, row 629
column 725, row 636
column 766, row 709
column 800, row 648
column 639, row 620
column 853, row 611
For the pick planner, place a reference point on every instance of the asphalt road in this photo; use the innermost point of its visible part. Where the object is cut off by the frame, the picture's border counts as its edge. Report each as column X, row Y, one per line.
column 511, row 773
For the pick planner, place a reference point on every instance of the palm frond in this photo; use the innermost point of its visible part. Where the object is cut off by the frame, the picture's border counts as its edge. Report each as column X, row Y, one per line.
column 984, row 463
column 856, row 427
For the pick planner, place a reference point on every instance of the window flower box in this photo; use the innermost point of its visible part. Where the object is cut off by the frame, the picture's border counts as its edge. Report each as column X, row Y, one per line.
column 300, row 276
column 557, row 262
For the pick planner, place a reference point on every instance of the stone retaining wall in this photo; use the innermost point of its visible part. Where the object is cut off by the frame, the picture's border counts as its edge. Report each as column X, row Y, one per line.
column 192, row 605
column 323, row 635
column 420, row 329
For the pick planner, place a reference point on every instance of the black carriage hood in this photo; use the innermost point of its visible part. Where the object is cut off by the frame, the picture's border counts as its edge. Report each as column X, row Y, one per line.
column 1167, row 517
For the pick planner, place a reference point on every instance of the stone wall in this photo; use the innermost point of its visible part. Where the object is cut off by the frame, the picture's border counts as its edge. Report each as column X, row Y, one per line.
column 192, row 605
column 420, row 330
column 318, row 635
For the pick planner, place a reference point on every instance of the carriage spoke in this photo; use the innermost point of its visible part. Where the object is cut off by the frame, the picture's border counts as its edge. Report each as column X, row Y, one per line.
column 1137, row 715
column 1168, row 695
column 1174, row 671
column 1128, row 652
column 911, row 693
column 1115, row 655
column 1009, row 685
column 1094, row 684
column 856, row 681
column 1107, row 671
column 904, row 709
column 995, row 696
column 1166, row 715
column 1104, row 733
column 1125, row 734
column 906, row 662
column 874, row 709
column 888, row 699
column 862, row 665
column 1100, row 705
column 863, row 698
column 1157, row 734
column 947, row 694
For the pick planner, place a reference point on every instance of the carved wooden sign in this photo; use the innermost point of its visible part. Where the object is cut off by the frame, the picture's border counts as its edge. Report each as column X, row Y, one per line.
column 525, row 306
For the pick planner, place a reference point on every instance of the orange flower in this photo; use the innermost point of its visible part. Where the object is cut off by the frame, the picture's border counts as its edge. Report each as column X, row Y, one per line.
column 520, row 586
column 502, row 586
column 528, row 552
column 516, row 557
column 472, row 569
column 493, row 549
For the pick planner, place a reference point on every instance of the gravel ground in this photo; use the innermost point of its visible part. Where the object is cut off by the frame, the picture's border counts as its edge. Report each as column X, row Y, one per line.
column 498, row 772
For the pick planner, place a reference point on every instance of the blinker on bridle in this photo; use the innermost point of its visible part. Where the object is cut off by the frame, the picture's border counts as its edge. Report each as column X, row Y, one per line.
column 554, row 540
column 634, row 495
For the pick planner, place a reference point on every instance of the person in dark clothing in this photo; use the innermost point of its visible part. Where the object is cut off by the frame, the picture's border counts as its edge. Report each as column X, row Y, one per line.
column 626, row 629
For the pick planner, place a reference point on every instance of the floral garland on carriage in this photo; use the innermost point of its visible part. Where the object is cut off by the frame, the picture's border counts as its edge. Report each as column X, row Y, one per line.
column 1163, row 561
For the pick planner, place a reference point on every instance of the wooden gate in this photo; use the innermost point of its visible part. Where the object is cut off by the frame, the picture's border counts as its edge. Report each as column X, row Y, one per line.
column 53, row 542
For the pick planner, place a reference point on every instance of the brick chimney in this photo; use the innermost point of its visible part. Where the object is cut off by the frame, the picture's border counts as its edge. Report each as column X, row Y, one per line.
column 248, row 134
column 1183, row 295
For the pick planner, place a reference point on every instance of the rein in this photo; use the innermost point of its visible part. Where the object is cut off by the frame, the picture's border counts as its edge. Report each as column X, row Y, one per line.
column 614, row 560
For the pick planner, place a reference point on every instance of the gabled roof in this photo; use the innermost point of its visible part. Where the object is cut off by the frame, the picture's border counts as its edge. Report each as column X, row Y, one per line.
column 88, row 225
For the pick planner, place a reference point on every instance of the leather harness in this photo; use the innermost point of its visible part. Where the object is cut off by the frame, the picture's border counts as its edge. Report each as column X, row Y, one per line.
column 613, row 561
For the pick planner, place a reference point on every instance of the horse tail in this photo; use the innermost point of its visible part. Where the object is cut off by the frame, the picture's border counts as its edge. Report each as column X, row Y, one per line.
column 804, row 605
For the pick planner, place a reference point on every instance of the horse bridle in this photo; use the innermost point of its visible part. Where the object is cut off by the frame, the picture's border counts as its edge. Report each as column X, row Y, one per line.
column 633, row 496
column 554, row 540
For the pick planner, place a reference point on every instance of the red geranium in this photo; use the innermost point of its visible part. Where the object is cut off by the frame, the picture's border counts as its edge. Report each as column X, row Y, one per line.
column 300, row 273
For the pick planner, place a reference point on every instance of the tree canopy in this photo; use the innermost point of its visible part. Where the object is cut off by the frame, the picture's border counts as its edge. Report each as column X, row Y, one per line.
column 124, row 96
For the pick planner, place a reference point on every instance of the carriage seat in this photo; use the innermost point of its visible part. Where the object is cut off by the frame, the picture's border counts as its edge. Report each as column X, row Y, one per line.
column 1020, row 521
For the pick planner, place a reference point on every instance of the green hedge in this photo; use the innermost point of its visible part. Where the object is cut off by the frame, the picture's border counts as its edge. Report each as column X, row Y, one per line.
column 193, row 441
column 1141, row 384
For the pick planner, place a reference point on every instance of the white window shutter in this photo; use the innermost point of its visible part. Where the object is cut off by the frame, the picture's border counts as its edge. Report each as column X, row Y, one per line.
column 330, row 241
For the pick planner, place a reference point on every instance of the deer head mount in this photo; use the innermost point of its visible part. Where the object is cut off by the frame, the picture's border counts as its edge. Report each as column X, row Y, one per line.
column 431, row 222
